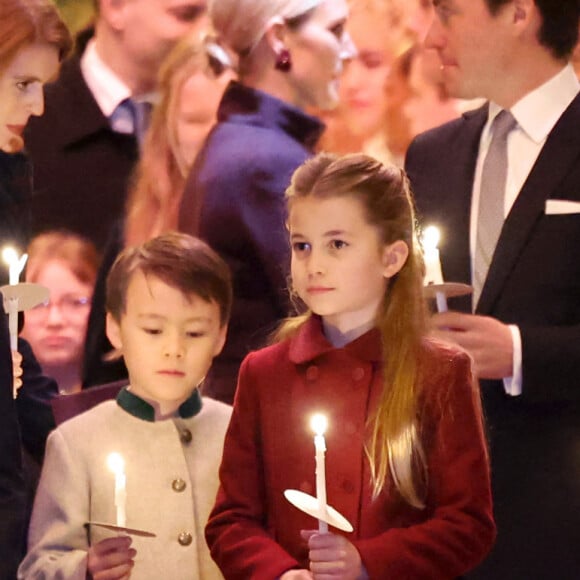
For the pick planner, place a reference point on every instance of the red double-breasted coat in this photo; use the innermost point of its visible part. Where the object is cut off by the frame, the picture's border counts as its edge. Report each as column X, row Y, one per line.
column 254, row 532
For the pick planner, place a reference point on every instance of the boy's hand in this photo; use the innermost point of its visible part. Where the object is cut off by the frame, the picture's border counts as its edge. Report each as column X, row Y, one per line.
column 333, row 557
column 16, row 371
column 111, row 559
column 296, row 575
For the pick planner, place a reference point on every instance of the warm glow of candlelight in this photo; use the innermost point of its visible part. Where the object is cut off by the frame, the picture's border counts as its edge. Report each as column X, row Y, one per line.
column 319, row 423
column 431, row 237
column 116, row 463
column 9, row 255
column 14, row 262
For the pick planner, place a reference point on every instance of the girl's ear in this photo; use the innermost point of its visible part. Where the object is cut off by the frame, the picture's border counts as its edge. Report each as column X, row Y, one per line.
column 114, row 332
column 394, row 257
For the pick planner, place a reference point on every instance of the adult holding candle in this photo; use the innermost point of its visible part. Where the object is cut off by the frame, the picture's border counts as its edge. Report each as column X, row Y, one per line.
column 406, row 461
column 32, row 40
column 503, row 184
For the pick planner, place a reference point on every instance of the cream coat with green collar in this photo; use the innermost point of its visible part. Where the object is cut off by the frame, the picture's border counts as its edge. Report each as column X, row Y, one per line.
column 171, row 486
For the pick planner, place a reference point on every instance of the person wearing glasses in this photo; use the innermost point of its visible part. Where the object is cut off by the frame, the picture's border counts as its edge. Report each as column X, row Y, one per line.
column 67, row 265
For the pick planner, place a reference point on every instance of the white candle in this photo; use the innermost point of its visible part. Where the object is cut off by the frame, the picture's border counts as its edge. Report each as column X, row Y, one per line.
column 117, row 466
column 433, row 272
column 15, row 267
column 319, row 424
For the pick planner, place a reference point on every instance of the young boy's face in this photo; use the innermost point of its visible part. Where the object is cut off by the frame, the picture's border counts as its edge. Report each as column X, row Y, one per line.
column 168, row 341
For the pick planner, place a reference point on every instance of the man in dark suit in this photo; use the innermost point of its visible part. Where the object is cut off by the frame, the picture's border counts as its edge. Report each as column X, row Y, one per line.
column 85, row 145
column 524, row 334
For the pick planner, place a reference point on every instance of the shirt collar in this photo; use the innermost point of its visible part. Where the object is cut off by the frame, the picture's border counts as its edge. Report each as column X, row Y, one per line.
column 107, row 88
column 246, row 105
column 310, row 343
column 139, row 408
column 538, row 112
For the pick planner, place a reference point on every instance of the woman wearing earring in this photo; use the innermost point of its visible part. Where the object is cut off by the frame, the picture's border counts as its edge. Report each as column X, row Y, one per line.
column 290, row 58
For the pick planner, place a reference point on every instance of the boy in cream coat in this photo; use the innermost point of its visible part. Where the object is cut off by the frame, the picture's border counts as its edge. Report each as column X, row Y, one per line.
column 168, row 304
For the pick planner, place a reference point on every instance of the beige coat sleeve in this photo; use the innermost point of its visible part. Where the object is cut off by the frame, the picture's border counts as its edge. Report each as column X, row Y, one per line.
column 57, row 540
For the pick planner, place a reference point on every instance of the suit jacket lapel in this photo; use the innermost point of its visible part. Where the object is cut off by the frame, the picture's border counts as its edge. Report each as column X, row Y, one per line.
column 458, row 184
column 559, row 153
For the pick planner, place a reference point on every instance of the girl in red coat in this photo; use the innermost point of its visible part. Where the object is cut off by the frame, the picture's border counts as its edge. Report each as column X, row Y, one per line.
column 406, row 460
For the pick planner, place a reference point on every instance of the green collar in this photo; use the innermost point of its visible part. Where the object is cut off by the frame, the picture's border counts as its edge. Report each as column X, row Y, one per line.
column 139, row 408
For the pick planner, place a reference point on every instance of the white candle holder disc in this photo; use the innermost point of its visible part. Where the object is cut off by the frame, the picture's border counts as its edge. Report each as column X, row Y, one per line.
column 448, row 289
column 309, row 505
column 28, row 295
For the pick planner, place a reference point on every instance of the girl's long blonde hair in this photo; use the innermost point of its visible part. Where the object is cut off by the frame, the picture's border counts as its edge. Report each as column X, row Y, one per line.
column 394, row 445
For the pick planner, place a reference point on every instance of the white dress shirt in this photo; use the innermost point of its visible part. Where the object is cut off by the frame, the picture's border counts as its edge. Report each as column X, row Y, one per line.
column 536, row 114
column 109, row 90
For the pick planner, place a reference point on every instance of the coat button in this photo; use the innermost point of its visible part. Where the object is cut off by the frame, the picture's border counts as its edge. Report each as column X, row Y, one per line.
column 312, row 373
column 347, row 486
column 184, row 538
column 358, row 374
column 178, row 484
column 185, row 436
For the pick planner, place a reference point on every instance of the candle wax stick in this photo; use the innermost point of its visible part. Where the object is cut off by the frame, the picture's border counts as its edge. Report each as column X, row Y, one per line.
column 121, row 499
column 320, row 446
column 441, row 300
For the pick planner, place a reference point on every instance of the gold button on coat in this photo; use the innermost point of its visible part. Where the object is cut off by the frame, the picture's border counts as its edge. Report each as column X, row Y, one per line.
column 184, row 538
column 178, row 484
column 185, row 436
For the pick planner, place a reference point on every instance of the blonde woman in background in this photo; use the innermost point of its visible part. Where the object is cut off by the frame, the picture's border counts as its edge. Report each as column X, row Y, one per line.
column 191, row 83
column 381, row 30
column 291, row 56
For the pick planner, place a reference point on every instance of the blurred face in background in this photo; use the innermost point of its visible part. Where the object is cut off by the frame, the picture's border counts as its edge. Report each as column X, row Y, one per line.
column 196, row 109
column 21, row 94
column 319, row 47
column 378, row 31
column 56, row 330
column 151, row 28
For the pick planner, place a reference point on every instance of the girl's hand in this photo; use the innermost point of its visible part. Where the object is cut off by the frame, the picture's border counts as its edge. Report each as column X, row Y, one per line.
column 16, row 371
column 333, row 557
column 296, row 575
column 111, row 559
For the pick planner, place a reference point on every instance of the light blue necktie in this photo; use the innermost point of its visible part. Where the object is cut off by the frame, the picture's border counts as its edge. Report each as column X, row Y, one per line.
column 491, row 199
column 131, row 117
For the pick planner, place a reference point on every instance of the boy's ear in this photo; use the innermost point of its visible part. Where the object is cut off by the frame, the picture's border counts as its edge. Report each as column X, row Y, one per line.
column 114, row 332
column 394, row 257
column 219, row 345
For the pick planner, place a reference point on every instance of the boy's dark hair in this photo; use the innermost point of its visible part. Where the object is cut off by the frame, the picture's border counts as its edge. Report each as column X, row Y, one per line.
column 182, row 262
column 559, row 29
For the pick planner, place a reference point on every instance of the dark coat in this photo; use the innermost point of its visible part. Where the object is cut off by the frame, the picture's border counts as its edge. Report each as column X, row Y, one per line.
column 254, row 532
column 81, row 166
column 234, row 200
column 533, row 282
column 12, row 493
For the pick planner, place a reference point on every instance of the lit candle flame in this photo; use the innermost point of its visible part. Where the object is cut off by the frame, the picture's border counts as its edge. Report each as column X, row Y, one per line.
column 431, row 237
column 116, row 463
column 319, row 423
